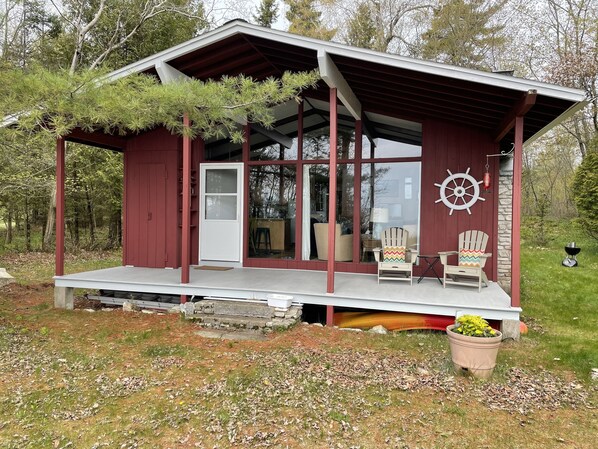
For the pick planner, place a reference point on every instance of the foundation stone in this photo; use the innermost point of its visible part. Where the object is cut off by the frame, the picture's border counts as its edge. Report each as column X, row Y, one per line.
column 241, row 314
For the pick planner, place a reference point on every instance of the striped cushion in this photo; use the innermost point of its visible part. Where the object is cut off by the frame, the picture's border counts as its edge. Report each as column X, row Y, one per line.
column 470, row 257
column 394, row 254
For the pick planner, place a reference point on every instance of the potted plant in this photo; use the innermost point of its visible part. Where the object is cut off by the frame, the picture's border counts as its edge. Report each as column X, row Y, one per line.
column 474, row 345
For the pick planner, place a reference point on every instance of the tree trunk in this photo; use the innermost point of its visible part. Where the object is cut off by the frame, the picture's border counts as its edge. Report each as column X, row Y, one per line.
column 76, row 226
column 51, row 220
column 76, row 197
column 119, row 228
column 27, row 226
column 8, row 239
column 17, row 220
column 115, row 230
column 90, row 216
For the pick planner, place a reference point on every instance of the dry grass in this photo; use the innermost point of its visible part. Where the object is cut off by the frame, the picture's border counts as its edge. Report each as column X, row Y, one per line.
column 112, row 379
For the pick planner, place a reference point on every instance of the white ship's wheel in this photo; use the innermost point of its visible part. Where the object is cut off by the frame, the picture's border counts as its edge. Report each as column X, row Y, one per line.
column 459, row 191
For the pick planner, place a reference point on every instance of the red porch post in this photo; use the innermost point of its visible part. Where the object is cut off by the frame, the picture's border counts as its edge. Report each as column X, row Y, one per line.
column 186, row 215
column 60, row 154
column 332, row 204
column 516, row 221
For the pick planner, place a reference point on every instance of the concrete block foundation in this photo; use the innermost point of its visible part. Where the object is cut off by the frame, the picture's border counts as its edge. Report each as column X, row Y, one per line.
column 64, row 298
column 510, row 329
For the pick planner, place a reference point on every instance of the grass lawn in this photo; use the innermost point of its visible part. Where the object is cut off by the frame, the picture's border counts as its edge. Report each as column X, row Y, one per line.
column 131, row 380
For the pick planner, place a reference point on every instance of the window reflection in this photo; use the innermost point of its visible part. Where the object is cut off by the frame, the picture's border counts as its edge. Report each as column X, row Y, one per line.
column 316, row 144
column 315, row 207
column 272, row 201
column 274, row 152
column 389, row 198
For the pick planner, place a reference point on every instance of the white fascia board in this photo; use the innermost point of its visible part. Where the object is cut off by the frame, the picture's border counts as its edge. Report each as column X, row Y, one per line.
column 557, row 121
column 168, row 74
column 333, row 48
column 333, row 77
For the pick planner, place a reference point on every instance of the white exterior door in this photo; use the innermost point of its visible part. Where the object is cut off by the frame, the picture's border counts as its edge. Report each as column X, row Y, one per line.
column 221, row 209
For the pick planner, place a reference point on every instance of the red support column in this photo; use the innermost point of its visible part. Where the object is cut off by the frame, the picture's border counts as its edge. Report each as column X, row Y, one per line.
column 186, row 219
column 60, row 173
column 330, row 316
column 516, row 221
column 332, row 192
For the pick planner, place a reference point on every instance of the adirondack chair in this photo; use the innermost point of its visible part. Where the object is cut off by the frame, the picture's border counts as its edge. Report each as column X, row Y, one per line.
column 395, row 259
column 471, row 256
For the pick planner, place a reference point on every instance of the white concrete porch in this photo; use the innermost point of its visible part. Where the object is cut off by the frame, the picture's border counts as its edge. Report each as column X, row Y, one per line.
column 307, row 287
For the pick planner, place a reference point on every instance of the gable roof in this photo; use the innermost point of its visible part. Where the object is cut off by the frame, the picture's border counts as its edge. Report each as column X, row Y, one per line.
column 383, row 83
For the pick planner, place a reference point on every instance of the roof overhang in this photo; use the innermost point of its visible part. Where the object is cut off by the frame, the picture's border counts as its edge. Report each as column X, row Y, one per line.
column 367, row 80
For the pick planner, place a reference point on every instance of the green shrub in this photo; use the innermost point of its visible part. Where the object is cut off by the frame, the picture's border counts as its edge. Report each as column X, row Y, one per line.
column 585, row 191
column 474, row 326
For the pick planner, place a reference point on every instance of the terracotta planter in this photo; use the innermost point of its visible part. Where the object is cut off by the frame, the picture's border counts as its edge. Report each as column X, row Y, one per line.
column 475, row 355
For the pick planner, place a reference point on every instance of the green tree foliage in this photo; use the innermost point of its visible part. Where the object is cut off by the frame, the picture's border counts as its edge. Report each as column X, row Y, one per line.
column 361, row 29
column 44, row 104
column 570, row 32
column 149, row 33
column 84, row 34
column 306, row 20
column 462, row 32
column 24, row 26
column 266, row 14
column 386, row 25
column 585, row 190
column 55, row 102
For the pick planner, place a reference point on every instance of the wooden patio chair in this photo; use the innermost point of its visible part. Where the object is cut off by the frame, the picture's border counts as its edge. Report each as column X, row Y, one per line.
column 395, row 259
column 471, row 256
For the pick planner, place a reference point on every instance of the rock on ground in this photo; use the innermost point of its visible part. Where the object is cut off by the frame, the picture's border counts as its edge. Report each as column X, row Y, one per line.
column 5, row 278
column 379, row 329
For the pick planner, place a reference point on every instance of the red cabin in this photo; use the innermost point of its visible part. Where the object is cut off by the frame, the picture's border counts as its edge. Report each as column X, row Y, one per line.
column 364, row 151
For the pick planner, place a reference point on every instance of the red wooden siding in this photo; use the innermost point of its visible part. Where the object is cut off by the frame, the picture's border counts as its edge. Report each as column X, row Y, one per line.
column 151, row 228
column 447, row 146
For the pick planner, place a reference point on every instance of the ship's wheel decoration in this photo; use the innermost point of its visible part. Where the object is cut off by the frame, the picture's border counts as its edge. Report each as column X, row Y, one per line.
column 459, row 191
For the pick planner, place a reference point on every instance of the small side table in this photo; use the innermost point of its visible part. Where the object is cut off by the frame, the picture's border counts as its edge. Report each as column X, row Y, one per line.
column 431, row 260
column 368, row 245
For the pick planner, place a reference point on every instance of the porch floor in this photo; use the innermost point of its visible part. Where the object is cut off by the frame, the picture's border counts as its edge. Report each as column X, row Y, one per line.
column 307, row 287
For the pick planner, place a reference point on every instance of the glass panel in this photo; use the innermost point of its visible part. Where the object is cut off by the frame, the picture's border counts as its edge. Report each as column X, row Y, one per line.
column 316, row 144
column 223, row 150
column 221, row 180
column 221, row 207
column 275, row 152
column 263, row 149
column 392, row 138
column 366, row 148
column 390, row 196
column 272, row 200
column 315, row 208
column 390, row 148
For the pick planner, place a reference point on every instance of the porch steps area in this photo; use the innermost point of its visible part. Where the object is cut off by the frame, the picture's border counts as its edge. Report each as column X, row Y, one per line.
column 242, row 314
